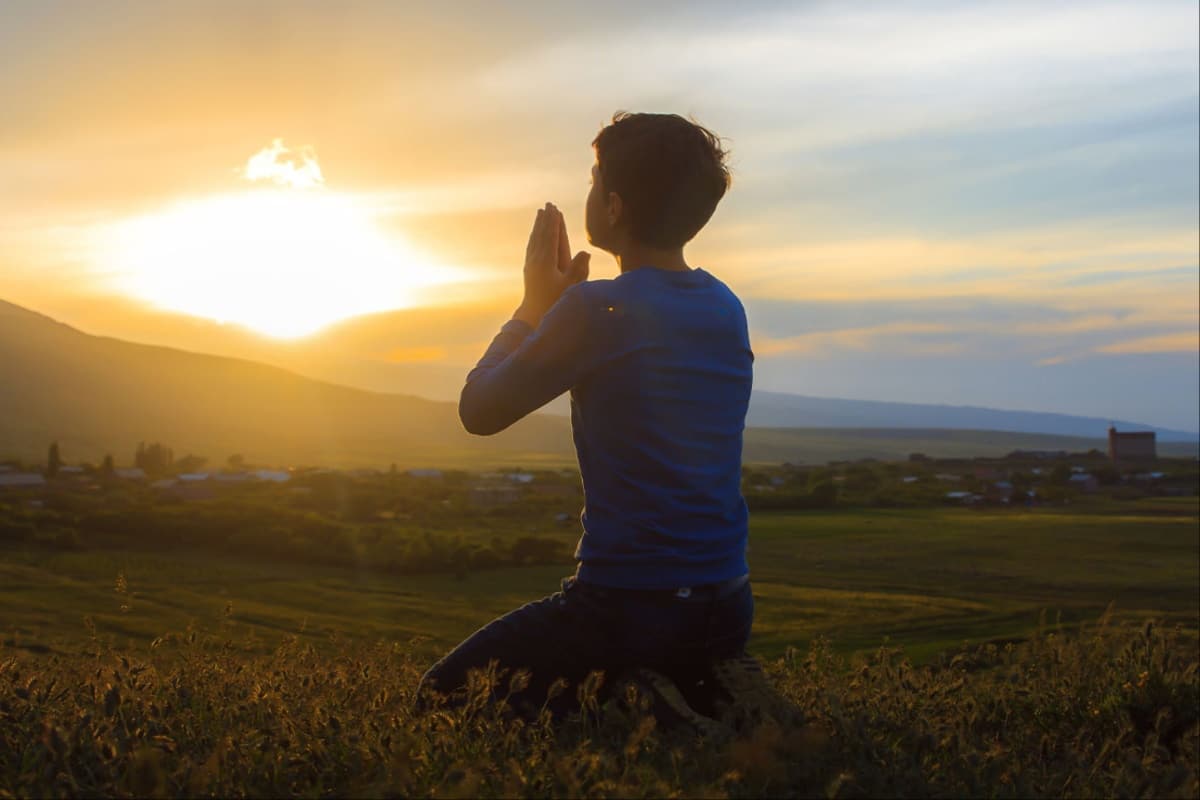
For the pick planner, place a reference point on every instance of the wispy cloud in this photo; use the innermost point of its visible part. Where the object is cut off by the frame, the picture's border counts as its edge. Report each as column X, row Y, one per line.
column 887, row 337
column 1181, row 342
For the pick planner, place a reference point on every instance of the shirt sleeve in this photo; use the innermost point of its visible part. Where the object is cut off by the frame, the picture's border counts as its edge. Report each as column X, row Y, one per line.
column 524, row 369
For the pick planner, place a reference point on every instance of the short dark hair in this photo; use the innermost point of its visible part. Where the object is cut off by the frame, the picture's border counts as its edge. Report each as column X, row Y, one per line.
column 669, row 172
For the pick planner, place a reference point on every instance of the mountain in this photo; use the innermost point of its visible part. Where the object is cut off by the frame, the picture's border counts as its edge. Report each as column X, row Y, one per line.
column 97, row 395
column 779, row 410
column 428, row 351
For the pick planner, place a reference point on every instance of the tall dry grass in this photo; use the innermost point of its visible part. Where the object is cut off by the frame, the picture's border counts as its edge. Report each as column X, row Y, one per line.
column 1102, row 712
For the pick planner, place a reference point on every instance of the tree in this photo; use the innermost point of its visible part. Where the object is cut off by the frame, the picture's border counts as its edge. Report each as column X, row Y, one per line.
column 53, row 461
column 824, row 494
column 108, row 469
column 861, row 478
column 154, row 458
column 190, row 463
column 1060, row 474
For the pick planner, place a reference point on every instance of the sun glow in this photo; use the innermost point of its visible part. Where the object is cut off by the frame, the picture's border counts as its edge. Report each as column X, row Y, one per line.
column 286, row 258
column 284, row 262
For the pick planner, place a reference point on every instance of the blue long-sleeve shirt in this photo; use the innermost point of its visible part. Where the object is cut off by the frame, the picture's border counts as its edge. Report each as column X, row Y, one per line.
column 659, row 366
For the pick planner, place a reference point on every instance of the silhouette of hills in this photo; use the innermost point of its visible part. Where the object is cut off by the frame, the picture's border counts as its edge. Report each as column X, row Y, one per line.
column 428, row 351
column 780, row 410
column 98, row 395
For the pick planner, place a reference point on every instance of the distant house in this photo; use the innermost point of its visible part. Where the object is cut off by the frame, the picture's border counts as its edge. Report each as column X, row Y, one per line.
column 946, row 476
column 1085, row 482
column 425, row 473
column 966, row 498
column 520, row 477
column 21, row 480
column 1022, row 454
column 1131, row 446
column 193, row 477
column 272, row 475
column 70, row 470
column 130, row 473
column 910, row 479
column 493, row 496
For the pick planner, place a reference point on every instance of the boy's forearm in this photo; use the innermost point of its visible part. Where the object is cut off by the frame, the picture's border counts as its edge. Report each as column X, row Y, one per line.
column 478, row 406
column 526, row 367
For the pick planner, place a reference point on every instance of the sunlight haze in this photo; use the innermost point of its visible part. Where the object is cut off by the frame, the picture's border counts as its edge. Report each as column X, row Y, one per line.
column 991, row 204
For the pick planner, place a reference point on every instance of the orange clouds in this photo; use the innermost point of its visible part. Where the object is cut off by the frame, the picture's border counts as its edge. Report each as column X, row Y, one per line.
column 1182, row 342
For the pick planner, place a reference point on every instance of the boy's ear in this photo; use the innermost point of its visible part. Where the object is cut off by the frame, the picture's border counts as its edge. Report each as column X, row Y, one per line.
column 614, row 208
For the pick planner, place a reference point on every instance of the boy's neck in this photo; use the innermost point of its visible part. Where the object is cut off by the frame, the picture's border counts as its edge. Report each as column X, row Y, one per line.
column 634, row 256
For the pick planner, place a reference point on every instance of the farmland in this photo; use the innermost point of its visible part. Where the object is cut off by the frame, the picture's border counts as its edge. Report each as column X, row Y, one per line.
column 928, row 579
column 269, row 643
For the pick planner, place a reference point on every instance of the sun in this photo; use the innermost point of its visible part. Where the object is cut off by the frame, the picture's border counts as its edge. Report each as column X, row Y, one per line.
column 285, row 260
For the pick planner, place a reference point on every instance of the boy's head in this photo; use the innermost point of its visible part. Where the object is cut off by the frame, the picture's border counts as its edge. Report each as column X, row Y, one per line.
column 656, row 181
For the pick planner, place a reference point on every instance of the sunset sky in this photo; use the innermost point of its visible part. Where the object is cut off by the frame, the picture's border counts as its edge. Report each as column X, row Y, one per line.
column 988, row 203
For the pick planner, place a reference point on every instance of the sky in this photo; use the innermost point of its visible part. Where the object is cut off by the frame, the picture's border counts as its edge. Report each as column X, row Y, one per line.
column 982, row 203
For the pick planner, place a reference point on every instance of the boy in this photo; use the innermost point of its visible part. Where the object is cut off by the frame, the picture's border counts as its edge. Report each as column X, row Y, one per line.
column 658, row 363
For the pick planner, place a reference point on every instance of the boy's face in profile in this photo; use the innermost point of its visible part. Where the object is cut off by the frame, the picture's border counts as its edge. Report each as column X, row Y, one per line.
column 599, row 231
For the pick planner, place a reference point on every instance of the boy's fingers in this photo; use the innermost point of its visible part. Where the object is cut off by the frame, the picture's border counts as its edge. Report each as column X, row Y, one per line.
column 580, row 266
column 538, row 232
column 564, row 245
column 551, row 234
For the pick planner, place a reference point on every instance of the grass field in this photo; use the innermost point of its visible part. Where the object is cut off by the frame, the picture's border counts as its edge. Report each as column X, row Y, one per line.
column 926, row 579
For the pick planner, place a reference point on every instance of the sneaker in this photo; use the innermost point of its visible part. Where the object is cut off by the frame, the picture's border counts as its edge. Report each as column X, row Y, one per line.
column 744, row 699
column 671, row 709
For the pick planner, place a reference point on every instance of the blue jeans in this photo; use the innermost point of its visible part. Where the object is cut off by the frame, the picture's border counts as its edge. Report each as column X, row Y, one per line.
column 586, row 627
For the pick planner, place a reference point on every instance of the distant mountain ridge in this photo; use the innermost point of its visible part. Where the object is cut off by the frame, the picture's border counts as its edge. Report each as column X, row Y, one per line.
column 358, row 352
column 780, row 410
column 98, row 395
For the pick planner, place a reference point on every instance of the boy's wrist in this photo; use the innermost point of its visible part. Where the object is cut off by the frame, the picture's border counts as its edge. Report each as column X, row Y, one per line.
column 529, row 314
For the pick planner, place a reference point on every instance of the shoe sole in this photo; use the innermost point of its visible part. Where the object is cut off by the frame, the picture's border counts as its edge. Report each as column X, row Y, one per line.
column 746, row 697
column 671, row 708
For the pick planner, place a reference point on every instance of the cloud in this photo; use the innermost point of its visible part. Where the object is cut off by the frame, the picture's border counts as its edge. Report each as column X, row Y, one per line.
column 889, row 337
column 1181, row 342
column 818, row 76
column 295, row 168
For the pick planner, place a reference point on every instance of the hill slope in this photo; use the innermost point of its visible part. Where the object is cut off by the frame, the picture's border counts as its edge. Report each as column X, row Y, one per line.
column 427, row 351
column 780, row 410
column 97, row 395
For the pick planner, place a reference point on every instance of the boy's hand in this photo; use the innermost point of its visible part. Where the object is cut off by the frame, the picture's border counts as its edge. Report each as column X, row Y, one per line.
column 549, row 267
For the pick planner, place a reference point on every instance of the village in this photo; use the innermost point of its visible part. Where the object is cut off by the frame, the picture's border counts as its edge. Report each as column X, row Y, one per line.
column 1129, row 470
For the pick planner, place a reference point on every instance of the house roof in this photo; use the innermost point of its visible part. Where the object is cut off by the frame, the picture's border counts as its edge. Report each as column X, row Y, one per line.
column 21, row 479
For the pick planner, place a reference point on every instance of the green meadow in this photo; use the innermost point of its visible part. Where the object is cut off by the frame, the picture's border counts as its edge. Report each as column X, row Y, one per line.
column 924, row 579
